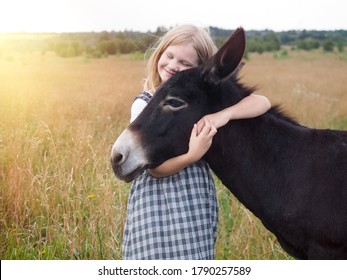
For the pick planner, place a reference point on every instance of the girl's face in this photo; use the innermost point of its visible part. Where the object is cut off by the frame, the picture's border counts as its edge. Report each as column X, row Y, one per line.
column 176, row 58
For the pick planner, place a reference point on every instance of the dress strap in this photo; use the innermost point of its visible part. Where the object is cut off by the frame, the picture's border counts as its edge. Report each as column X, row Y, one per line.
column 145, row 96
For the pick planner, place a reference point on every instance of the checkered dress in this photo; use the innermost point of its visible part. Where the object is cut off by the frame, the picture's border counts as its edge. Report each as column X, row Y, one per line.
column 174, row 217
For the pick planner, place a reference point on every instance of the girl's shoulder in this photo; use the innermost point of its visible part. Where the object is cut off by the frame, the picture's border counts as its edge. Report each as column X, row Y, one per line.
column 145, row 96
column 140, row 102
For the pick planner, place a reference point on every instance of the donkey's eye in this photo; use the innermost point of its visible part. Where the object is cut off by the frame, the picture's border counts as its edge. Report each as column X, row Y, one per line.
column 174, row 104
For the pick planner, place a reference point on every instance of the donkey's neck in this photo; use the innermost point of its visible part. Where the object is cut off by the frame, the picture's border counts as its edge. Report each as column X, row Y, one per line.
column 248, row 156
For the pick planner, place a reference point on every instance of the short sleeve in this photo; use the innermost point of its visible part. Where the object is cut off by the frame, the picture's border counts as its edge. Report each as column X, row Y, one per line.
column 137, row 107
column 139, row 104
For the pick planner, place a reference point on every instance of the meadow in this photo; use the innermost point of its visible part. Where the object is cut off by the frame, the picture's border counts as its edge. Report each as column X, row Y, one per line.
column 59, row 118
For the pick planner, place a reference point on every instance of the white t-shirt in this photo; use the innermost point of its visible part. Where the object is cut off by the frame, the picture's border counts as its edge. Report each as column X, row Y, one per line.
column 137, row 107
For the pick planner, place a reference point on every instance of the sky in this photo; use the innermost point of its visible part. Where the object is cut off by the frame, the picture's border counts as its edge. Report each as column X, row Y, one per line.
column 147, row 15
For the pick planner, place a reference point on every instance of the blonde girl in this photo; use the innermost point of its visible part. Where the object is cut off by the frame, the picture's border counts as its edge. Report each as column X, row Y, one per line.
column 172, row 210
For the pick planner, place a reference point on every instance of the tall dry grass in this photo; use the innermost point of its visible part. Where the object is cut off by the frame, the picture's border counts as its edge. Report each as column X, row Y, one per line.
column 58, row 121
column 309, row 85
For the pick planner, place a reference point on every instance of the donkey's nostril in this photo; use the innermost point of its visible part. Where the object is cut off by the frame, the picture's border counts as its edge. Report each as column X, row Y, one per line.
column 117, row 158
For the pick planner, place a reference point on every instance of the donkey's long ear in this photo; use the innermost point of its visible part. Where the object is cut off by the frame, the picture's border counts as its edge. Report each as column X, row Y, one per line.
column 227, row 59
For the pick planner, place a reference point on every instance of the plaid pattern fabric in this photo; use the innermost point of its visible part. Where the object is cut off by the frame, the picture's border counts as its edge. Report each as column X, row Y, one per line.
column 145, row 96
column 173, row 217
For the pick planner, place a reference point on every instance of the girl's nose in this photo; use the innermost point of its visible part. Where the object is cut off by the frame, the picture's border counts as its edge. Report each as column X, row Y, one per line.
column 174, row 67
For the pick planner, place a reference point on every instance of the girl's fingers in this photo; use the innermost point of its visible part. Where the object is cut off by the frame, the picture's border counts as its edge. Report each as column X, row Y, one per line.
column 200, row 126
column 213, row 131
column 194, row 131
column 206, row 128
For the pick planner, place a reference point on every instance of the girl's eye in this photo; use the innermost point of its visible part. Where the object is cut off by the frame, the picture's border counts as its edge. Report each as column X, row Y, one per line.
column 169, row 56
column 174, row 104
column 185, row 64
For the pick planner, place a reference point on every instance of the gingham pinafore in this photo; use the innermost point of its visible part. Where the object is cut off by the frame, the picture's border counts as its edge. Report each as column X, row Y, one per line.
column 174, row 217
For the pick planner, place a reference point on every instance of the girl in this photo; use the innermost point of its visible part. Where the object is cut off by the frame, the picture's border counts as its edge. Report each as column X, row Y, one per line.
column 172, row 209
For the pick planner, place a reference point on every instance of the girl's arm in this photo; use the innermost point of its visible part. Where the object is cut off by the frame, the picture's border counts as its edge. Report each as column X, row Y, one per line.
column 203, row 132
column 198, row 146
column 249, row 107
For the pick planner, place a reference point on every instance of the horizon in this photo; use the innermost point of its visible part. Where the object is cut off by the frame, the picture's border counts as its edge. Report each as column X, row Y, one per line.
column 153, row 31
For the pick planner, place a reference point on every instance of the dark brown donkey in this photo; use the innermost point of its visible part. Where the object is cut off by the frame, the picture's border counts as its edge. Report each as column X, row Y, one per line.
column 293, row 178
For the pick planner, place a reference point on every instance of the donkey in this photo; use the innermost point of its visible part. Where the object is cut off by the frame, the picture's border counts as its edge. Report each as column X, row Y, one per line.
column 293, row 178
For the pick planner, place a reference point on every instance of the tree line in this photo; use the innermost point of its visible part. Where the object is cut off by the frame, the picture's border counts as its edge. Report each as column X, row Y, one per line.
column 99, row 44
column 268, row 40
column 111, row 43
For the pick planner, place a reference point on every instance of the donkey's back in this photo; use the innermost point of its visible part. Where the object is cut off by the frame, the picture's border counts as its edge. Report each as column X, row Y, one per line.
column 293, row 178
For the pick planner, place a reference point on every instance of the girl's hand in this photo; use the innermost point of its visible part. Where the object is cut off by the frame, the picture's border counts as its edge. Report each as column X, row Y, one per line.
column 198, row 145
column 218, row 120
column 250, row 107
column 200, row 142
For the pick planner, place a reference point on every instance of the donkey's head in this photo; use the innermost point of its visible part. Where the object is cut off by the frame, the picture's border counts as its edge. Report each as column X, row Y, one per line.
column 163, row 129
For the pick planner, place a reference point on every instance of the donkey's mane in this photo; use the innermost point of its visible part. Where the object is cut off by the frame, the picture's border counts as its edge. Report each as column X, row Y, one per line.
column 276, row 110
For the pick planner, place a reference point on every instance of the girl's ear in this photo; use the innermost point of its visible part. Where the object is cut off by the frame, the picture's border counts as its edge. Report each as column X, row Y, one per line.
column 226, row 60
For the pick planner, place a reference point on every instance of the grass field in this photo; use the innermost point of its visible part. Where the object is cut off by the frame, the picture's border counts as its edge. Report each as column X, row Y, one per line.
column 58, row 121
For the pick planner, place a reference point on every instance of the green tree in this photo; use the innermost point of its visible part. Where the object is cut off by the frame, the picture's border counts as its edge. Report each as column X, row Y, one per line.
column 328, row 46
column 308, row 44
column 107, row 47
column 271, row 42
column 340, row 45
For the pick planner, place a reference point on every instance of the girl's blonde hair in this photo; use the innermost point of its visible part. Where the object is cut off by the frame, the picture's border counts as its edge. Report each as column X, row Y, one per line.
column 179, row 35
